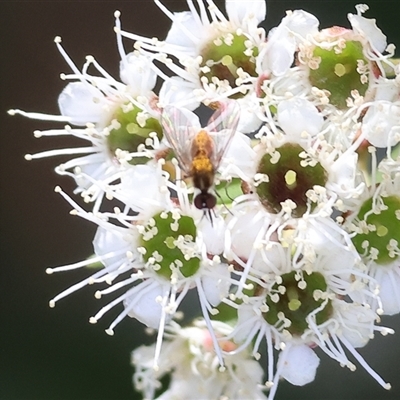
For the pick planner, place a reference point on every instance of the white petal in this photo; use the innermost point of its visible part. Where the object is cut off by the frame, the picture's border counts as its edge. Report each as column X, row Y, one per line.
column 358, row 323
column 242, row 237
column 136, row 72
column 107, row 242
column 302, row 23
column 238, row 155
column 178, row 92
column 389, row 292
column 297, row 115
column 245, row 313
column 367, row 28
column 216, row 287
column 386, row 90
column 381, row 123
column 146, row 310
column 185, row 21
column 82, row 102
column 213, row 234
column 279, row 54
column 343, row 176
column 90, row 166
column 140, row 188
column 282, row 43
column 249, row 121
column 300, row 365
column 238, row 10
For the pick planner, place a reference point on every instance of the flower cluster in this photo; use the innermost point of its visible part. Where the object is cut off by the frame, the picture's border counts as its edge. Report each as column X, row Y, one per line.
column 282, row 211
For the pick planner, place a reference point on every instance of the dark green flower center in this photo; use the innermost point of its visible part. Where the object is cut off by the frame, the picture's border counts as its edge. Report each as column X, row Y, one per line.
column 132, row 131
column 223, row 57
column 295, row 298
column 381, row 230
column 338, row 72
column 288, row 178
column 169, row 245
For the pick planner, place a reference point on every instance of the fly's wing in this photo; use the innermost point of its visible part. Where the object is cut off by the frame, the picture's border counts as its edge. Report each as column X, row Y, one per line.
column 221, row 128
column 180, row 126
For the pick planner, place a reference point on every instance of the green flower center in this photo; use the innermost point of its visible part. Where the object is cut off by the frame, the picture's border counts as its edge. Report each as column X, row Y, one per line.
column 380, row 234
column 294, row 299
column 225, row 56
column 168, row 244
column 132, row 129
column 288, row 178
column 339, row 72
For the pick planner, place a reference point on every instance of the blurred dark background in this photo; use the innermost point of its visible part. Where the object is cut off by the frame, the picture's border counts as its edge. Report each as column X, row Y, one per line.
column 56, row 354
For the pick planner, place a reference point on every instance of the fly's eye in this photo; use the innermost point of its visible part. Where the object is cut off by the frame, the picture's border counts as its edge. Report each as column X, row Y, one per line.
column 205, row 201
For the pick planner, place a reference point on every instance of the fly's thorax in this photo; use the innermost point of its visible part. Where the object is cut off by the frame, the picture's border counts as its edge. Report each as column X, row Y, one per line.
column 202, row 146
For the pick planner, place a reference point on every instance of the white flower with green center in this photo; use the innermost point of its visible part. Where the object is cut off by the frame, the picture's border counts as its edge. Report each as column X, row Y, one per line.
column 297, row 172
column 216, row 55
column 189, row 359
column 343, row 61
column 375, row 230
column 159, row 253
column 301, row 305
column 116, row 118
column 344, row 73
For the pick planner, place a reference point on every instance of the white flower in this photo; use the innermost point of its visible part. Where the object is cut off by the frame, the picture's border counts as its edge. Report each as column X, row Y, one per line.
column 282, row 42
column 374, row 226
column 189, row 359
column 216, row 55
column 303, row 306
column 159, row 254
column 96, row 103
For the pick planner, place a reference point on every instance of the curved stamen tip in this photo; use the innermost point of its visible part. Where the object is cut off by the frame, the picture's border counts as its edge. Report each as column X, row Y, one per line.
column 110, row 332
column 11, row 112
column 97, row 295
column 58, row 189
column 116, row 29
column 117, row 13
column 57, row 39
column 92, row 320
column 49, row 271
column 387, row 386
column 28, row 157
column 89, row 58
column 222, row 368
column 387, row 331
column 156, row 367
column 37, row 134
column 52, row 303
column 269, row 384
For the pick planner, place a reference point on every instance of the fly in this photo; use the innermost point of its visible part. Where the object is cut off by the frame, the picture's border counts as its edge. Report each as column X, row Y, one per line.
column 199, row 151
